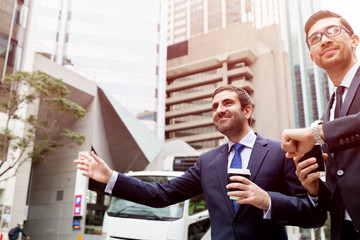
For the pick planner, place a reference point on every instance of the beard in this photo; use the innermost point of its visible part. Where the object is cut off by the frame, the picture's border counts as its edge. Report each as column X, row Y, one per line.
column 230, row 126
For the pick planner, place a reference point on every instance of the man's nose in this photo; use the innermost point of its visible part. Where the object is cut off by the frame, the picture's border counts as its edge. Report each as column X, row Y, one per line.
column 324, row 39
column 220, row 108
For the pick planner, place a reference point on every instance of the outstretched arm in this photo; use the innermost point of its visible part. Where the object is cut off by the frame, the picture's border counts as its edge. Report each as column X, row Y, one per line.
column 93, row 167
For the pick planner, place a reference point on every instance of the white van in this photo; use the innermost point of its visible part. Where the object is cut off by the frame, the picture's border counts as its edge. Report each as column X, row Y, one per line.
column 128, row 220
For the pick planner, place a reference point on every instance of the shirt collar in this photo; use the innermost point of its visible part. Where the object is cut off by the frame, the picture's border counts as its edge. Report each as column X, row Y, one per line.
column 247, row 141
column 349, row 76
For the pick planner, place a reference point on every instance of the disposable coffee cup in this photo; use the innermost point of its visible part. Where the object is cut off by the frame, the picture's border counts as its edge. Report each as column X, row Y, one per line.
column 238, row 172
column 317, row 153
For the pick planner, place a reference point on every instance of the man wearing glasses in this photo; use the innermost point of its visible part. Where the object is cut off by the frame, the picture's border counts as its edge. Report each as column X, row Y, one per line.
column 332, row 44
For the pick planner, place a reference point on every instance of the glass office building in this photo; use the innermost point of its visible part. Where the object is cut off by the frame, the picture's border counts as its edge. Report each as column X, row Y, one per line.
column 191, row 18
column 119, row 44
column 310, row 86
column 13, row 17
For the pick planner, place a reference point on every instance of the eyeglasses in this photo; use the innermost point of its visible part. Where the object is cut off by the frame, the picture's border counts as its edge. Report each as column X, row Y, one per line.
column 330, row 32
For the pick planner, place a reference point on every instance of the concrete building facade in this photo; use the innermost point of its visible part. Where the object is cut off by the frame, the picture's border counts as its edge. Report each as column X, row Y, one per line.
column 239, row 55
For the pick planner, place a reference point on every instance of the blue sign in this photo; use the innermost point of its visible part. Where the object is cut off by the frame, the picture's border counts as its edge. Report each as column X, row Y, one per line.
column 78, row 199
column 76, row 224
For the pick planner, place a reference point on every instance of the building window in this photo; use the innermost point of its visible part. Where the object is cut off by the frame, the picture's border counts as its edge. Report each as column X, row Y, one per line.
column 59, row 195
column 96, row 205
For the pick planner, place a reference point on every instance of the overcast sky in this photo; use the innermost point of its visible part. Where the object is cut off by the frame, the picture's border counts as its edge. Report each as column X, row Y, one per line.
column 349, row 9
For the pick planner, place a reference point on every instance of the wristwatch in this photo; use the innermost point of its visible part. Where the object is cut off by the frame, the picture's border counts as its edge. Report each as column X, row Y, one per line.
column 315, row 131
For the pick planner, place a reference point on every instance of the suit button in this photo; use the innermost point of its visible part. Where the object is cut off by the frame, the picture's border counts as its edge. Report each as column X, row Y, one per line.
column 342, row 142
column 235, row 225
column 352, row 139
column 340, row 173
column 357, row 136
column 347, row 140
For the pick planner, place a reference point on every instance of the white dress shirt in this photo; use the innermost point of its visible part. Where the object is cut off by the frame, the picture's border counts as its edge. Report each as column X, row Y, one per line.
column 248, row 141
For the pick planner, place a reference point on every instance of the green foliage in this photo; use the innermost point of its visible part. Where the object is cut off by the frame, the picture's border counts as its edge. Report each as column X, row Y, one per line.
column 43, row 133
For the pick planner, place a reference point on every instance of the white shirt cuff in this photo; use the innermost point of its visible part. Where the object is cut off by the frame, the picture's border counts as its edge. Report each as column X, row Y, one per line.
column 267, row 213
column 111, row 183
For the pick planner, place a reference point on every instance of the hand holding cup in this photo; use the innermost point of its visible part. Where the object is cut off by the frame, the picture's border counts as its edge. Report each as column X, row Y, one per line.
column 238, row 172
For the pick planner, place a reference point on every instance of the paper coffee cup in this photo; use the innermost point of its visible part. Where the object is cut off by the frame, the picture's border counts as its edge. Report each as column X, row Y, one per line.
column 238, row 172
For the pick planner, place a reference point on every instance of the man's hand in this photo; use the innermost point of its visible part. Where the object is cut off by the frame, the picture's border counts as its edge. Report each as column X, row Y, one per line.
column 310, row 181
column 297, row 141
column 94, row 167
column 250, row 193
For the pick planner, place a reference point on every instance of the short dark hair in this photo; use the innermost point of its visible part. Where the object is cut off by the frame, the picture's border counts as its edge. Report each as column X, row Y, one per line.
column 325, row 14
column 242, row 95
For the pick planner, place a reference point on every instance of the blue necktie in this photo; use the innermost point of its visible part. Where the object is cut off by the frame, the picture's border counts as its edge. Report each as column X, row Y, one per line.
column 236, row 162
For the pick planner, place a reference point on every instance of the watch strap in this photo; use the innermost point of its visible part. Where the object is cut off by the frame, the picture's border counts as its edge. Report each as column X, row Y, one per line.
column 315, row 131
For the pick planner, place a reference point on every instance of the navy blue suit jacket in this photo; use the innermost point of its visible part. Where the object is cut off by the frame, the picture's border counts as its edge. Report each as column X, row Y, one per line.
column 342, row 188
column 270, row 170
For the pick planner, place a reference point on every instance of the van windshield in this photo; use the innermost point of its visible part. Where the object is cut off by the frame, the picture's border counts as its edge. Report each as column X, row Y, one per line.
column 127, row 209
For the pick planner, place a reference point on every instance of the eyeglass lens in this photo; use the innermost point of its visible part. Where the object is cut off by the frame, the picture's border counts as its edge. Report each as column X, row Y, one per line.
column 329, row 32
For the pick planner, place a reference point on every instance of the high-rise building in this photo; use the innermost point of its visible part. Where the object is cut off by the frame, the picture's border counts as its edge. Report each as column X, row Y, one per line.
column 119, row 44
column 310, row 86
column 191, row 18
column 209, row 46
column 310, row 89
column 13, row 23
column 239, row 55
column 13, row 17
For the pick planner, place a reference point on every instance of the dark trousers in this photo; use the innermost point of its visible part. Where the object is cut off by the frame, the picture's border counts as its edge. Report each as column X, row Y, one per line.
column 348, row 231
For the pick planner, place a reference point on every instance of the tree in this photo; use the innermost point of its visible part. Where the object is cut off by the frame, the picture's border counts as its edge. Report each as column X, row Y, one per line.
column 42, row 132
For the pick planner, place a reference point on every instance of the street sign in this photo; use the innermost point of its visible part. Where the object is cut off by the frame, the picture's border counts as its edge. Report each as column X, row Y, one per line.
column 77, row 205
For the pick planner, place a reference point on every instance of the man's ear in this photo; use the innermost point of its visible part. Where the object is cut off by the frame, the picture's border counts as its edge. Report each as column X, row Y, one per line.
column 355, row 40
column 247, row 111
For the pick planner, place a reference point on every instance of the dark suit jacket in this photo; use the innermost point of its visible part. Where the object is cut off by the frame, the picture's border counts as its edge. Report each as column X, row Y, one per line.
column 342, row 187
column 270, row 170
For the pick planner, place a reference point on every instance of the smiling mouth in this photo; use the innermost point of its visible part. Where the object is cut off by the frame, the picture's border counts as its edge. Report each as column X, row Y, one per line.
column 328, row 51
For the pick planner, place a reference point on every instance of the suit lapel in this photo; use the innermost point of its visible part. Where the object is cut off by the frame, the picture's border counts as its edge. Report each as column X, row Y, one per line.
column 350, row 94
column 257, row 156
column 326, row 116
column 221, row 169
